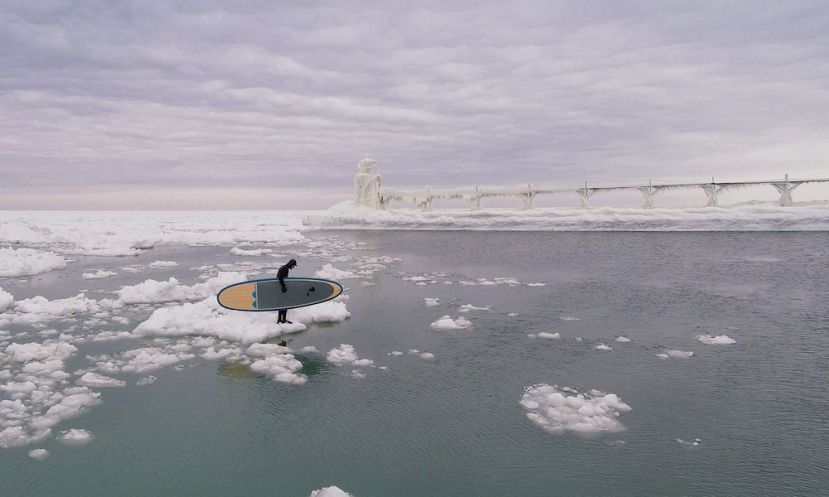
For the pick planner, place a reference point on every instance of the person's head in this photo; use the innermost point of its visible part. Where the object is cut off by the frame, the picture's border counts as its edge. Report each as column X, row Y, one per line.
column 292, row 263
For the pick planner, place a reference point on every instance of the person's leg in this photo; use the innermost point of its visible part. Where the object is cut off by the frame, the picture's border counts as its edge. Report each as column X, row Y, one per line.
column 285, row 318
column 281, row 316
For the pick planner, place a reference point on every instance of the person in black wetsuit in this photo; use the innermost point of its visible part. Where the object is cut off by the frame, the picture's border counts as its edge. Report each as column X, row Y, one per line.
column 281, row 275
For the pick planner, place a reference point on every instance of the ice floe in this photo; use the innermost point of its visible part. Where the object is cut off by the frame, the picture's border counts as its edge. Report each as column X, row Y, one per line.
column 427, row 301
column 208, row 318
column 447, row 323
column 674, row 354
column 96, row 380
column 603, row 347
column 716, row 340
column 153, row 291
column 252, row 252
column 27, row 262
column 161, row 264
column 469, row 307
column 38, row 454
column 553, row 336
column 75, row 436
column 6, row 299
column 331, row 273
column 332, row 491
column 281, row 367
column 346, row 355
column 622, row 339
column 558, row 410
column 97, row 275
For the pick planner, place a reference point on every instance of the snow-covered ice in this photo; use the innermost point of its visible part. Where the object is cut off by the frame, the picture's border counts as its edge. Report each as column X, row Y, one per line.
column 75, row 436
column 152, row 291
column 329, row 272
column 97, row 275
column 603, row 347
column 332, row 491
column 548, row 335
column 345, row 354
column 38, row 454
column 622, row 339
column 558, row 410
column 431, row 301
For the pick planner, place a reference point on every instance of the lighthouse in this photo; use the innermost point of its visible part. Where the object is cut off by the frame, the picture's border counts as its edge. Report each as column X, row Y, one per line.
column 367, row 184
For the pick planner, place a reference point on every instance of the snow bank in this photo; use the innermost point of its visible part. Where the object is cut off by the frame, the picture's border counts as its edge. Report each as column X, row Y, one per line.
column 712, row 340
column 558, row 410
column 27, row 262
column 447, row 323
column 208, row 318
column 346, row 355
column 329, row 272
column 153, row 291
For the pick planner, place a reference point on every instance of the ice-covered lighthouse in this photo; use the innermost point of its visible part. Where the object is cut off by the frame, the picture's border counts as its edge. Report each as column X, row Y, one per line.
column 367, row 184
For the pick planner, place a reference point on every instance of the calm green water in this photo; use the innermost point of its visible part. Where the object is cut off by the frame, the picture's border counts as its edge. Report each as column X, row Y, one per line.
column 454, row 426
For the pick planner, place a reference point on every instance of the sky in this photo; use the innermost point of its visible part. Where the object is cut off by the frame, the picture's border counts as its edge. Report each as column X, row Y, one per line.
column 267, row 104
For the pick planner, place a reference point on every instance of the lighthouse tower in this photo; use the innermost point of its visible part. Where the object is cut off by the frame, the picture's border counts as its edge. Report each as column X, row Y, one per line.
column 367, row 184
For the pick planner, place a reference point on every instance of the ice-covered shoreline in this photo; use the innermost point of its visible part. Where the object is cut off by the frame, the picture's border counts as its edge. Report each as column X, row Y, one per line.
column 754, row 217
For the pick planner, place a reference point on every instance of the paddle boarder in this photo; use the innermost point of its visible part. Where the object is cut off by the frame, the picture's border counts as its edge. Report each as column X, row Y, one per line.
column 282, row 317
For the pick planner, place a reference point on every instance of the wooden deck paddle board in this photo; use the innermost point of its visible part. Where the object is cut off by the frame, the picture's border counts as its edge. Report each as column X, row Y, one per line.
column 266, row 294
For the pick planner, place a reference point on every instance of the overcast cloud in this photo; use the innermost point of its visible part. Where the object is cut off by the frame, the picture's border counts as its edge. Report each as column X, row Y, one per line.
column 191, row 96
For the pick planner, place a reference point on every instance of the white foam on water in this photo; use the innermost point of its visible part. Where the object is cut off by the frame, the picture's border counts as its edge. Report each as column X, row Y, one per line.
column 96, row 380
column 447, row 323
column 27, row 261
column 75, row 436
column 97, row 275
column 431, row 302
column 208, row 318
column 153, row 291
column 552, row 336
column 622, row 339
column 716, row 340
column 252, row 252
column 345, row 354
column 559, row 410
column 329, row 272
column 38, row 454
column 332, row 491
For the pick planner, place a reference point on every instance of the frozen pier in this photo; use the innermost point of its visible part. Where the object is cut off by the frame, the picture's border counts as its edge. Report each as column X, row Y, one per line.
column 371, row 193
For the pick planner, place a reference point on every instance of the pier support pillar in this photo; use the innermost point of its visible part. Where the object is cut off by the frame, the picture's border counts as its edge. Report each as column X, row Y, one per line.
column 785, row 189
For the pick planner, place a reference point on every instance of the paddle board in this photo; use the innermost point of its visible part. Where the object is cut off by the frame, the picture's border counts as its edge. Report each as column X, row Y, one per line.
column 266, row 294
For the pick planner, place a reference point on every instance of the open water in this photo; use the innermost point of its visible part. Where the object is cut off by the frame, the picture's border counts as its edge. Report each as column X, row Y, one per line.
column 454, row 425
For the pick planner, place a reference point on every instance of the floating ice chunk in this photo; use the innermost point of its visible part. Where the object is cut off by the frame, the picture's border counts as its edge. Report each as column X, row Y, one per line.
column 470, row 307
column 367, row 283
column 309, row 349
column 6, row 299
column 674, row 354
column 447, row 323
column 345, row 354
column 396, row 353
column 536, row 284
column 38, row 454
column 75, row 436
column 357, row 374
column 331, row 273
column 558, row 410
column 621, row 339
column 208, row 318
column 332, row 491
column 282, row 368
column 161, row 264
column 554, row 336
column 27, row 262
column 512, row 314
column 146, row 380
column 95, row 380
column 33, row 351
column 111, row 336
column 266, row 349
column 146, row 359
column 603, row 347
column 431, row 302
column 716, row 340
column 426, row 356
column 151, row 291
column 568, row 318
column 254, row 252
column 39, row 309
column 100, row 274
column 695, row 443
